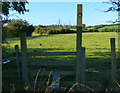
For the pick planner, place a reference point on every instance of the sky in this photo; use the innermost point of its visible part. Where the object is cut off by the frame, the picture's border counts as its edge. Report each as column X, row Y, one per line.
column 48, row 13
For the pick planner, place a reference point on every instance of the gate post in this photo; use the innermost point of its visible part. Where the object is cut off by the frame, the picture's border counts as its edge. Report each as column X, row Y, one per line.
column 24, row 56
column 18, row 63
column 113, row 59
column 1, row 48
column 79, row 45
column 83, row 68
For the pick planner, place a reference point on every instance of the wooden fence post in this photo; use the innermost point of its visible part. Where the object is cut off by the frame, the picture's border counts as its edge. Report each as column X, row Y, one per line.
column 1, row 48
column 119, row 41
column 79, row 45
column 83, row 67
column 113, row 58
column 24, row 56
column 18, row 63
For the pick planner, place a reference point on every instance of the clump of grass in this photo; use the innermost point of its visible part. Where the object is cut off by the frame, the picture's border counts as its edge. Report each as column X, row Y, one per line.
column 36, row 79
column 47, row 86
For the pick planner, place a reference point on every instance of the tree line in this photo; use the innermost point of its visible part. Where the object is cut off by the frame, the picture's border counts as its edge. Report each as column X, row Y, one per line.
column 14, row 27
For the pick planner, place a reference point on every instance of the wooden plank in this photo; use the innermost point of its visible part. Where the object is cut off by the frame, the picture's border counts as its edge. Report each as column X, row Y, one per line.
column 31, row 72
column 51, row 63
column 51, row 53
column 18, row 63
column 24, row 56
column 61, row 82
column 79, row 45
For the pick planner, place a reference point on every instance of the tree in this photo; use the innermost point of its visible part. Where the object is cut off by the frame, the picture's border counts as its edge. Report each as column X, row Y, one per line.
column 18, row 6
column 114, row 8
column 16, row 26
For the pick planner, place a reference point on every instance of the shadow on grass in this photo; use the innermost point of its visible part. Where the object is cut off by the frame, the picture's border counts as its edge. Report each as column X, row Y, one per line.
column 29, row 37
column 104, row 54
column 43, row 49
column 97, row 68
column 10, row 53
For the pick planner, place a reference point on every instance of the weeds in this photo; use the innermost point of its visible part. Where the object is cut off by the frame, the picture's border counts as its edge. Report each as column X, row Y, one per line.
column 49, row 89
column 36, row 79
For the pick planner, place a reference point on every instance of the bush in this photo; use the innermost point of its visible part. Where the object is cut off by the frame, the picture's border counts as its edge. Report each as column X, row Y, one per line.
column 47, row 30
column 110, row 30
column 91, row 30
column 4, row 34
column 6, row 54
column 16, row 26
column 30, row 29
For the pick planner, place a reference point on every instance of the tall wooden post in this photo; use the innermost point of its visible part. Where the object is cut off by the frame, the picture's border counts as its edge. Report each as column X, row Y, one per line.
column 18, row 63
column 79, row 44
column 83, row 67
column 113, row 58
column 119, row 43
column 119, row 36
column 0, row 48
column 118, row 59
column 24, row 56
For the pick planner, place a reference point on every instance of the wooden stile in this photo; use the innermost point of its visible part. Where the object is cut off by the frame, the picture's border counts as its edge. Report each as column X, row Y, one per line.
column 80, row 56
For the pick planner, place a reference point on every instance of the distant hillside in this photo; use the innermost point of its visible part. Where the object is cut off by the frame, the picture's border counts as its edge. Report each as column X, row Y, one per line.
column 109, row 27
column 103, row 28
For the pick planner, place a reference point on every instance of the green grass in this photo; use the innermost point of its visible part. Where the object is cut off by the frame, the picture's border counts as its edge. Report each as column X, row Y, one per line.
column 94, row 42
column 98, row 61
column 109, row 27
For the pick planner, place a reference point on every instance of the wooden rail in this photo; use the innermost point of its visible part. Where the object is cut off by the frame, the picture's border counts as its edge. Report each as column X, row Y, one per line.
column 52, row 63
column 31, row 72
column 51, row 53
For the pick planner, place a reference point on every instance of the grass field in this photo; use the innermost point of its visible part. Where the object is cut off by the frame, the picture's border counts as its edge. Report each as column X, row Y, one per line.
column 94, row 42
column 109, row 27
column 98, row 62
